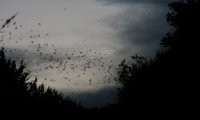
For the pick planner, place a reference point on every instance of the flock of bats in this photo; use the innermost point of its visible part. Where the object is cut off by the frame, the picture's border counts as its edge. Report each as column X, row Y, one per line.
column 82, row 63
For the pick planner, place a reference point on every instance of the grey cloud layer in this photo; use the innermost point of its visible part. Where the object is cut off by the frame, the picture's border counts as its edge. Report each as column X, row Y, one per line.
column 140, row 26
column 139, row 1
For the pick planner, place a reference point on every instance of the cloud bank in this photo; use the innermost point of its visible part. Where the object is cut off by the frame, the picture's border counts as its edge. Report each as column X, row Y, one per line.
column 140, row 26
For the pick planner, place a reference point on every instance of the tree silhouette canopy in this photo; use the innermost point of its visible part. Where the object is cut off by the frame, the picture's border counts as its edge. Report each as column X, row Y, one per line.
column 167, row 83
column 184, row 18
column 17, row 93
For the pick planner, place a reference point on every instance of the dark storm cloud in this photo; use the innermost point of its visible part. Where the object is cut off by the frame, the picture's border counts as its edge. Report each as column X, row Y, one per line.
column 141, row 25
column 143, row 30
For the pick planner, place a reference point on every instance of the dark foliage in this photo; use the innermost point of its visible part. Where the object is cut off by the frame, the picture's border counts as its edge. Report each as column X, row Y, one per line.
column 166, row 84
column 19, row 95
column 184, row 17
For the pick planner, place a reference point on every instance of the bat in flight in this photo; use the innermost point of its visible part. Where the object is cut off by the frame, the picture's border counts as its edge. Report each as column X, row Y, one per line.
column 8, row 21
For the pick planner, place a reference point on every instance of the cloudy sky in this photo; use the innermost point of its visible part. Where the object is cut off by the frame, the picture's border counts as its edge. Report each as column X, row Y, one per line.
column 76, row 45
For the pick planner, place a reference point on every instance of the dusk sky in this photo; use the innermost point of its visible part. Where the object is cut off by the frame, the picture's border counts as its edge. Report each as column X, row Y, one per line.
column 75, row 46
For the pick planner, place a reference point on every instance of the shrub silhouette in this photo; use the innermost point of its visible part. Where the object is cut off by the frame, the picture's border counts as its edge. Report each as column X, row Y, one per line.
column 18, row 94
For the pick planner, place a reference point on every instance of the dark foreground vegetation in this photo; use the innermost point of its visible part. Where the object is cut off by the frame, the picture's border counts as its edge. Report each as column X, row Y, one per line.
column 164, row 85
column 16, row 93
column 167, row 84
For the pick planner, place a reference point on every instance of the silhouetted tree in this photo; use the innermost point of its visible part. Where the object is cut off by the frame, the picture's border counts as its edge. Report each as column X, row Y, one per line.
column 166, row 84
column 184, row 18
column 183, row 45
column 16, row 94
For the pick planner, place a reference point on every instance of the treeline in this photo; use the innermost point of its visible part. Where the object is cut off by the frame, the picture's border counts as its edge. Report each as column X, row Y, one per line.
column 167, row 84
column 17, row 93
